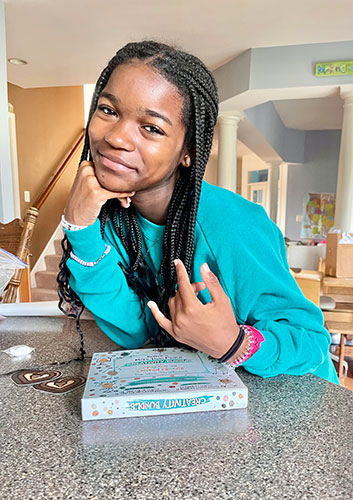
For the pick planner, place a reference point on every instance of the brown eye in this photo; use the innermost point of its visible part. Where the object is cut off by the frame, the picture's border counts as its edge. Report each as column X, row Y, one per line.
column 152, row 129
column 106, row 110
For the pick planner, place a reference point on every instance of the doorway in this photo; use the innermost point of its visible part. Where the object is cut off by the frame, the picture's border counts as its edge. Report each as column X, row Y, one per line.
column 256, row 186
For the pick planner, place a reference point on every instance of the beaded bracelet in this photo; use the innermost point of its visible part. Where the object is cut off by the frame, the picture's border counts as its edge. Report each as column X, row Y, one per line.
column 90, row 264
column 255, row 339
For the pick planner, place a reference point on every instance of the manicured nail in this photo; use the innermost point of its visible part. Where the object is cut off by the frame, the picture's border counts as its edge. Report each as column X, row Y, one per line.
column 206, row 268
column 151, row 304
column 176, row 262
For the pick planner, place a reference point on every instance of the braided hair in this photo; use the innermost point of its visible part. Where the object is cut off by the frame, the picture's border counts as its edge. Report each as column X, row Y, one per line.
column 197, row 87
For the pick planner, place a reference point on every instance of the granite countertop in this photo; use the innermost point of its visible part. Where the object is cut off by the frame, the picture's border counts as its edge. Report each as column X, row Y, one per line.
column 294, row 441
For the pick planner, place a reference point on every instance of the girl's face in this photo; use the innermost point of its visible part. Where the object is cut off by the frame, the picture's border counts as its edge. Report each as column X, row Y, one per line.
column 136, row 133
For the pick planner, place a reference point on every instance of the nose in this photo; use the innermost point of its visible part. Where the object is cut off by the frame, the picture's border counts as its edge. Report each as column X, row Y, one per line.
column 120, row 136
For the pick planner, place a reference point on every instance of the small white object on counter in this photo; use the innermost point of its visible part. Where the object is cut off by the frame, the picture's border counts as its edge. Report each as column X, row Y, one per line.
column 18, row 350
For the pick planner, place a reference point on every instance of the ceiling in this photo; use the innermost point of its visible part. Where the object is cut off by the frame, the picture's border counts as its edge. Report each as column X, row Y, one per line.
column 324, row 113
column 69, row 42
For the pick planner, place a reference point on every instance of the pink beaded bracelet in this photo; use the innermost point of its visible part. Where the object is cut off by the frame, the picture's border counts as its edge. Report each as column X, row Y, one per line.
column 255, row 338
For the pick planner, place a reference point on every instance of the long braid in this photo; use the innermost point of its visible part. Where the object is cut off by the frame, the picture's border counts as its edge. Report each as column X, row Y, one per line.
column 197, row 87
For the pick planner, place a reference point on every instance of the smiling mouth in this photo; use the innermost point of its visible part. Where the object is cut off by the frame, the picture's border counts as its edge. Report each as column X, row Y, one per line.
column 116, row 166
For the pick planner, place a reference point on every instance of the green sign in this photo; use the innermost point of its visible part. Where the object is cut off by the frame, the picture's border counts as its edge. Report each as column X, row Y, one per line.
column 336, row 68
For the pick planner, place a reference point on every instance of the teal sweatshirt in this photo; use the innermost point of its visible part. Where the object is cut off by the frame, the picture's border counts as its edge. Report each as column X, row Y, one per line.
column 246, row 251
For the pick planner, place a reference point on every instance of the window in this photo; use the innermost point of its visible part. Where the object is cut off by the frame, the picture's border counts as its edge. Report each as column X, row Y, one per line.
column 258, row 176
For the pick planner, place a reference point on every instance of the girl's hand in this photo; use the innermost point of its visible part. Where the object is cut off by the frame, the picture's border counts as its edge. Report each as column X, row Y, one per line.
column 87, row 197
column 211, row 328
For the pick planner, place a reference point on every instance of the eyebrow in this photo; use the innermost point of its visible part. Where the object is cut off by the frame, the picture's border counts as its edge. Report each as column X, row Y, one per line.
column 150, row 112
column 111, row 97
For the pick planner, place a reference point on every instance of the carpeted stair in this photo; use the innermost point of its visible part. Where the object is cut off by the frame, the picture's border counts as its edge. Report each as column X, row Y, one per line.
column 46, row 280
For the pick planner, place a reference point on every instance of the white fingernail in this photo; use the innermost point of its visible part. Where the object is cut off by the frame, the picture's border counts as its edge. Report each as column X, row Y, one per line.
column 206, row 268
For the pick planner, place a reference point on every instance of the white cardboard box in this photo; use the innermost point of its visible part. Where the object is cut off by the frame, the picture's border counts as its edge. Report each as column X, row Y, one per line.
column 159, row 381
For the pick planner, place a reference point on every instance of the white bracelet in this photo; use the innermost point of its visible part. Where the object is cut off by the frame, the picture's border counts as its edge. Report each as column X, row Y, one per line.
column 69, row 226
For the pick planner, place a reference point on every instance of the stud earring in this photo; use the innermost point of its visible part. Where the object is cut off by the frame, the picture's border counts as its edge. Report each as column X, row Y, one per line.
column 187, row 160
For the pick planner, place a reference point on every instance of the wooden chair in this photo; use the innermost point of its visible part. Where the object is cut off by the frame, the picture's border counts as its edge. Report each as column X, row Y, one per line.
column 309, row 282
column 321, row 265
column 341, row 322
column 15, row 237
column 340, row 318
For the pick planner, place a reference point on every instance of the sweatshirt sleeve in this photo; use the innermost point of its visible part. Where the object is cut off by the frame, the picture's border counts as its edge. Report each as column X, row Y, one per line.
column 103, row 289
column 253, row 269
column 296, row 341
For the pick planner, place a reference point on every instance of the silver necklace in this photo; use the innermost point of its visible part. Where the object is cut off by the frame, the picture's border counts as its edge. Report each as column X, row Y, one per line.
column 159, row 273
column 154, row 243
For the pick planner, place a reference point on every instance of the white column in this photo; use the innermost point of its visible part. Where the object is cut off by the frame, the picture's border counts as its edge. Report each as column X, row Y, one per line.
column 227, row 149
column 273, row 188
column 344, row 191
column 282, row 198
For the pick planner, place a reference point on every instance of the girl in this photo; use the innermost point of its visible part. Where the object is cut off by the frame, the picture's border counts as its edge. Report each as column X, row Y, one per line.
column 156, row 253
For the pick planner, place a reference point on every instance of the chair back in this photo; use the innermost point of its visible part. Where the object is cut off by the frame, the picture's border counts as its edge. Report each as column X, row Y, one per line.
column 15, row 237
column 309, row 282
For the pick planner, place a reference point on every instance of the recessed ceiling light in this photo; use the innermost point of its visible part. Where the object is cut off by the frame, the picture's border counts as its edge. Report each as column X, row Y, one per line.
column 14, row 60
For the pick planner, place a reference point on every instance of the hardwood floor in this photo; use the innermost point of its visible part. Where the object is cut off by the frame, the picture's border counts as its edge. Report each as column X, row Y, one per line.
column 347, row 383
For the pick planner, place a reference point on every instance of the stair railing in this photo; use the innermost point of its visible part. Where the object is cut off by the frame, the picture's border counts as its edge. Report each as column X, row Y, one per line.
column 46, row 192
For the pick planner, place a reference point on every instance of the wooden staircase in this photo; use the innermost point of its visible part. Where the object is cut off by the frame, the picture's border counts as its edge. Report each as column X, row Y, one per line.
column 46, row 288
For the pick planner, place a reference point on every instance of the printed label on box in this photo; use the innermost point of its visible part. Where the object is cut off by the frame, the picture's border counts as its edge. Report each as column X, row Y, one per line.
column 158, row 381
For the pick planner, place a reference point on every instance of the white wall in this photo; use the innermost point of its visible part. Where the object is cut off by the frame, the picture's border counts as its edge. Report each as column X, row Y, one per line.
column 6, row 191
column 88, row 91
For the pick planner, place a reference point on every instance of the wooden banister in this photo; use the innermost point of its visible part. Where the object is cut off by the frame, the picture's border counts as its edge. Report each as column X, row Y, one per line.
column 22, row 250
column 44, row 195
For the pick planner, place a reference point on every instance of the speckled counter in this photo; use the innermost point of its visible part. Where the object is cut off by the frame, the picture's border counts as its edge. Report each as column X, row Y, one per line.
column 294, row 441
